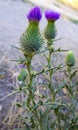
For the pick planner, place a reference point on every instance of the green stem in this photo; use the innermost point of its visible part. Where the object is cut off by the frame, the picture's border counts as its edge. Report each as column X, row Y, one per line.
column 30, row 97
column 50, row 73
column 71, row 93
column 51, row 85
column 30, row 82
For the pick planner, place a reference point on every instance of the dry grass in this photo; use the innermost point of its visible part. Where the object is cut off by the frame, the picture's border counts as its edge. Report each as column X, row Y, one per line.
column 71, row 3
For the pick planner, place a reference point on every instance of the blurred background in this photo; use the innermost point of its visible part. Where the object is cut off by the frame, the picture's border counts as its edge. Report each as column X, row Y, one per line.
column 71, row 3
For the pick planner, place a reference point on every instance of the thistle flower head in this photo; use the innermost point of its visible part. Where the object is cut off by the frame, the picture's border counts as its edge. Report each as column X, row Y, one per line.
column 34, row 14
column 31, row 41
column 52, row 15
column 70, row 59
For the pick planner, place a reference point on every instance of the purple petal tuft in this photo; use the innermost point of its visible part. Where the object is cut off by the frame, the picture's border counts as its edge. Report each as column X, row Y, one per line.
column 34, row 14
column 52, row 15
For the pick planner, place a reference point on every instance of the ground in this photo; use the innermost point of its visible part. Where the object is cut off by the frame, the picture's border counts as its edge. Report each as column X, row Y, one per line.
column 13, row 22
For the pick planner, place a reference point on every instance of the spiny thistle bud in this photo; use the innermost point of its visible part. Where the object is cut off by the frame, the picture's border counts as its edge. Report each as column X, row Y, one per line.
column 31, row 40
column 51, row 16
column 70, row 59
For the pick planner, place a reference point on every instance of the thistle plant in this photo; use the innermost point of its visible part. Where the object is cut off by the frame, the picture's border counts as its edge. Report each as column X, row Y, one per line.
column 31, row 40
column 47, row 109
column 48, row 112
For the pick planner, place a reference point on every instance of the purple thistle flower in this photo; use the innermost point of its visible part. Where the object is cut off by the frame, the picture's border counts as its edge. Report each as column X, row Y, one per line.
column 52, row 15
column 34, row 14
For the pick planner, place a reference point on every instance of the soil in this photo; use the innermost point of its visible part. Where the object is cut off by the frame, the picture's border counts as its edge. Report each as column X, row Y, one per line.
column 13, row 23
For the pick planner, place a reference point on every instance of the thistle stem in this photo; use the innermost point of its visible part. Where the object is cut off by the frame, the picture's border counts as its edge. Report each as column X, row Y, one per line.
column 30, row 81
column 30, row 97
column 50, row 72
column 50, row 82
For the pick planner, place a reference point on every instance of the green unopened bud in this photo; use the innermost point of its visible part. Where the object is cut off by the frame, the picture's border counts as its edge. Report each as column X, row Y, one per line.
column 70, row 59
column 50, row 30
column 22, row 76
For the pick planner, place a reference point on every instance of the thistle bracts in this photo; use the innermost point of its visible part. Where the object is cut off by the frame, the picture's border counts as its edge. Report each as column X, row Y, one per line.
column 50, row 30
column 31, row 40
